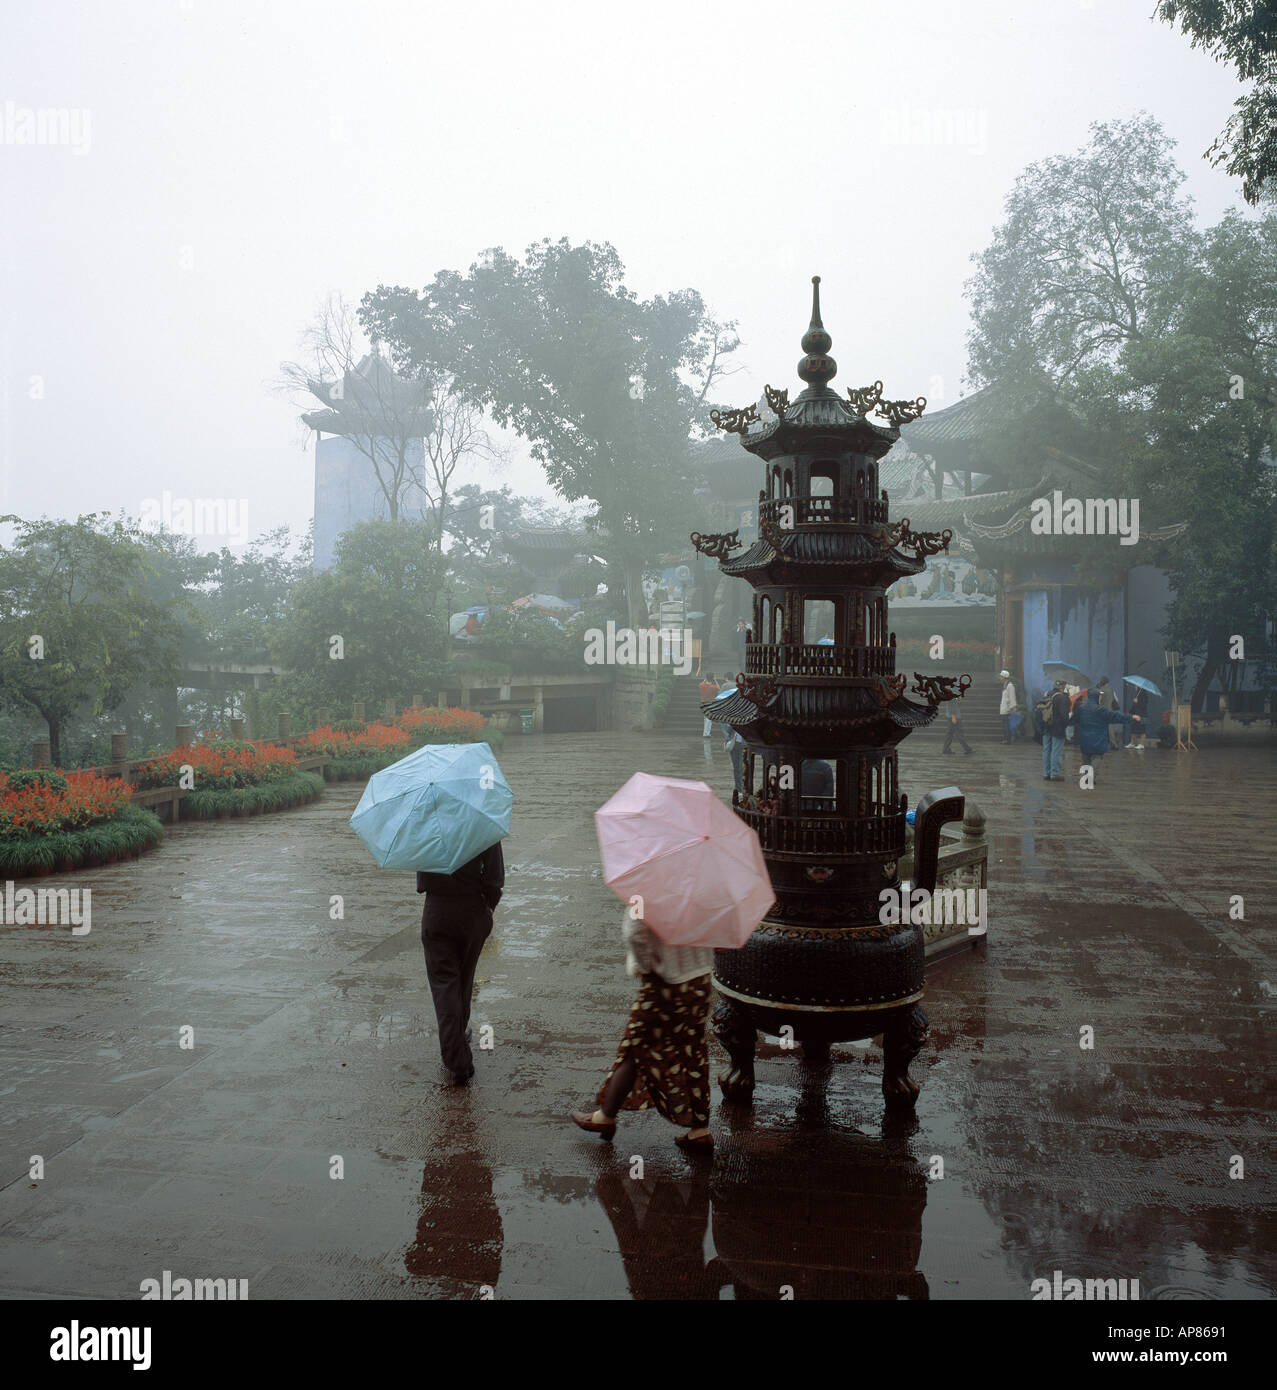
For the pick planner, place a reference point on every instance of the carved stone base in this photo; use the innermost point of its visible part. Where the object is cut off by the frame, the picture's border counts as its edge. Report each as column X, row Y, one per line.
column 732, row 1027
column 902, row 1040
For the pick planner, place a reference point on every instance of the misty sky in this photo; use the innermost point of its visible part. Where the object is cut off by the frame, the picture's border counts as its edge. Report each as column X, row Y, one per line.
column 231, row 164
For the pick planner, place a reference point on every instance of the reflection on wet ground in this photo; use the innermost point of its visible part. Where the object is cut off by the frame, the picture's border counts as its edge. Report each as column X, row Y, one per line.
column 298, row 966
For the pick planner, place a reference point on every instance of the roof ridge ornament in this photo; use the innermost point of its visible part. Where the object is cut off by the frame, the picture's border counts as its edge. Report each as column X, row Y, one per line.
column 901, row 412
column 817, row 369
column 735, row 421
column 865, row 398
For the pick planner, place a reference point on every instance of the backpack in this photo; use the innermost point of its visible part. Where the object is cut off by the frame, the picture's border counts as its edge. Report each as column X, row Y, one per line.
column 1042, row 712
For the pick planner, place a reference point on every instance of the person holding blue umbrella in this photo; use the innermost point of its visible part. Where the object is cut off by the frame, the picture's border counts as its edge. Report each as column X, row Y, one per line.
column 1139, row 708
column 443, row 811
column 456, row 920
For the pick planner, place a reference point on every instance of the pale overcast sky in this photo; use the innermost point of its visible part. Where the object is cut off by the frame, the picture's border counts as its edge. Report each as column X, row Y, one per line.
column 230, row 163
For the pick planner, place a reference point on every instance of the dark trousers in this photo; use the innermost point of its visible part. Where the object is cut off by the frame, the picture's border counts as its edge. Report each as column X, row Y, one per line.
column 955, row 731
column 453, row 931
column 737, row 755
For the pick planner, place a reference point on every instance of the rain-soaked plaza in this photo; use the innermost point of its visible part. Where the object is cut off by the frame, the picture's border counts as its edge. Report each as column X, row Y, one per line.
column 314, row 1039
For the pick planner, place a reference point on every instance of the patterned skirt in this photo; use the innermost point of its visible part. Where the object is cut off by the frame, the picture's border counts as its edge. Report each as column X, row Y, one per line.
column 665, row 1039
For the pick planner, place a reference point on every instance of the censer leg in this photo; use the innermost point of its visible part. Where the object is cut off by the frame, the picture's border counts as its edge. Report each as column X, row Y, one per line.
column 739, row 1037
column 902, row 1041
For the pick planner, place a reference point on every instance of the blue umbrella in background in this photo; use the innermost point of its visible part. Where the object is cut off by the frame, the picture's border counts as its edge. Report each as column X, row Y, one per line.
column 1143, row 682
column 723, row 694
column 434, row 810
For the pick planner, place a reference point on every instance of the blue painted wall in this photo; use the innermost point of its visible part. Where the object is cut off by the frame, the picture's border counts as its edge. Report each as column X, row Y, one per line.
column 347, row 491
column 1067, row 623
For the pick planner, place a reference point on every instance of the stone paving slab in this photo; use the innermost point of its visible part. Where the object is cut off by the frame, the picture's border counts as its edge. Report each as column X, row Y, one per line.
column 314, row 1037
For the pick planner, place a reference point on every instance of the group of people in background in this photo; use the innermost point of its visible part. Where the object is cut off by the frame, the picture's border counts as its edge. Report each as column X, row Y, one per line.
column 1096, row 718
column 1093, row 715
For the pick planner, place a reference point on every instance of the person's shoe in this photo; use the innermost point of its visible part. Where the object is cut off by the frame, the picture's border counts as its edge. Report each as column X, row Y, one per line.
column 460, row 1078
column 699, row 1144
column 604, row 1129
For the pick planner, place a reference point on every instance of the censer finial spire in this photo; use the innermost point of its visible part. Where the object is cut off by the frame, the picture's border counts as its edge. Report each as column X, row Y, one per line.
column 817, row 368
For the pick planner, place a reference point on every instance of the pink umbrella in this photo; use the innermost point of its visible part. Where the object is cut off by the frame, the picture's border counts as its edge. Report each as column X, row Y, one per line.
column 696, row 865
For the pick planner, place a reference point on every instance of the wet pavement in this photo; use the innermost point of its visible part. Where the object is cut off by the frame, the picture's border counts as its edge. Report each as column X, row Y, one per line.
column 313, row 1040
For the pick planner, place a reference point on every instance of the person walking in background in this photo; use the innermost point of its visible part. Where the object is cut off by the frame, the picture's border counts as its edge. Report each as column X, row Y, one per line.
column 1092, row 727
column 708, row 690
column 955, row 729
column 455, row 922
column 1008, row 707
column 1055, row 720
column 742, row 638
column 1139, row 711
column 663, row 1059
column 1108, row 700
column 734, row 745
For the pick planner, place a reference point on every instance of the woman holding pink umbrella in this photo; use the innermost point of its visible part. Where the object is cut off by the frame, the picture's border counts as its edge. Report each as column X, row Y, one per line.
column 694, row 880
column 663, row 1060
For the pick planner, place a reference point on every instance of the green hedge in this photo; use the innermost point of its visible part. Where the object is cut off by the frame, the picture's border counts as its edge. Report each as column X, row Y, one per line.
column 121, row 837
column 357, row 769
column 277, row 795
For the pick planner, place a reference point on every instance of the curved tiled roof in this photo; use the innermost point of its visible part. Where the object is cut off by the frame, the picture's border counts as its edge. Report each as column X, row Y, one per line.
column 969, row 418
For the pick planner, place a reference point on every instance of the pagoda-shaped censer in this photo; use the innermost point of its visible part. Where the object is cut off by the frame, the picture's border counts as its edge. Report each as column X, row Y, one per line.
column 821, row 710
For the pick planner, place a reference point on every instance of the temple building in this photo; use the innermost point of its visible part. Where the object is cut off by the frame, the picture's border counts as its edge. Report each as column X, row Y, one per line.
column 1016, row 597
column 1096, row 600
column 371, row 462
column 542, row 555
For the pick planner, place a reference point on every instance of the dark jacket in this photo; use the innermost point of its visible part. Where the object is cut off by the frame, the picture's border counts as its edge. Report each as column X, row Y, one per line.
column 1092, row 725
column 1057, row 720
column 483, row 876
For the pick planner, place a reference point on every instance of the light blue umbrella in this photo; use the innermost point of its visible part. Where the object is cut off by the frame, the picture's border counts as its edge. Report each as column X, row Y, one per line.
column 434, row 810
column 1143, row 682
column 723, row 694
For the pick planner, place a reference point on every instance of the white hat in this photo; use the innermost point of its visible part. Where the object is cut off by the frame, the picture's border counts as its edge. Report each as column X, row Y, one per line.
column 1005, row 673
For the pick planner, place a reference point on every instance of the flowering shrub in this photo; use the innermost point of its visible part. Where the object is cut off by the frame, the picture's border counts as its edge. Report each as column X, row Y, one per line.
column 219, row 765
column 432, row 724
column 40, row 806
column 369, row 741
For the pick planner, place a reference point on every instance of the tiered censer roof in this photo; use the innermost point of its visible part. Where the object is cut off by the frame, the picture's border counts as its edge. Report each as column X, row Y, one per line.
column 822, row 709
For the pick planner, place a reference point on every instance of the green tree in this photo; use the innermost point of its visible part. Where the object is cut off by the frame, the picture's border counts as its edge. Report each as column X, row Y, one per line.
column 1113, row 329
column 1088, row 259
column 380, row 599
column 1245, row 34
column 85, row 590
column 606, row 388
column 244, row 597
column 1196, row 410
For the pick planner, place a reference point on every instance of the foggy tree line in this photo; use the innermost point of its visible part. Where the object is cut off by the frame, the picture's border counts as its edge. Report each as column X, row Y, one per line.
column 1114, row 327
